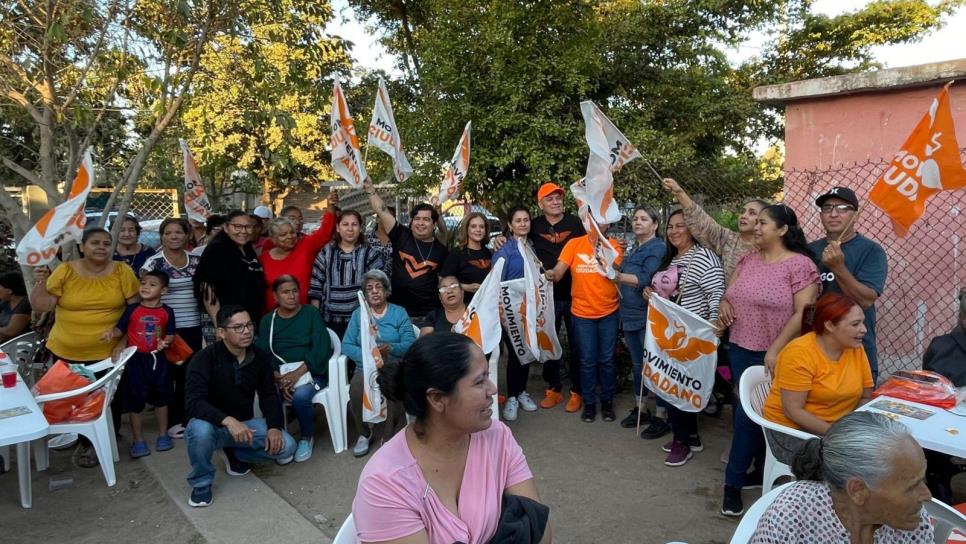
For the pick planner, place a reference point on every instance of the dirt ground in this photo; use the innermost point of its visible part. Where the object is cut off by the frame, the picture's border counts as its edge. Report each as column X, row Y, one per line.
column 603, row 483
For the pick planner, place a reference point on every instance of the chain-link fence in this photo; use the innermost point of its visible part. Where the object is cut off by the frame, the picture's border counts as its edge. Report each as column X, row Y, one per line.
column 147, row 204
column 925, row 268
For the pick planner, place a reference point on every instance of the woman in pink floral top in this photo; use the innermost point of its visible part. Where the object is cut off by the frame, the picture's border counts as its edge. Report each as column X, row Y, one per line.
column 863, row 482
column 768, row 294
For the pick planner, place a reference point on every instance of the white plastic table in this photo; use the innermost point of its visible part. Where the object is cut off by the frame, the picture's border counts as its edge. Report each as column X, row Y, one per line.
column 20, row 430
column 943, row 431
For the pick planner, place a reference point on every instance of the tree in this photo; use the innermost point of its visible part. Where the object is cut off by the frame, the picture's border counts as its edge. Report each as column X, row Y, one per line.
column 71, row 64
column 262, row 100
column 659, row 70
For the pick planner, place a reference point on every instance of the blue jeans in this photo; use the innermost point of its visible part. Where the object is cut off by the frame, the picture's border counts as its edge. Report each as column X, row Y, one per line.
column 203, row 438
column 302, row 404
column 635, row 345
column 598, row 341
column 748, row 443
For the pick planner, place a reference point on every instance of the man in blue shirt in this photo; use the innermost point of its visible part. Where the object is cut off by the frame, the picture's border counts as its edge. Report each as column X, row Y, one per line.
column 849, row 262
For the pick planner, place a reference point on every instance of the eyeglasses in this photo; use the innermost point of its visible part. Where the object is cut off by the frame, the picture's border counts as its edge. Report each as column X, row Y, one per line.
column 450, row 287
column 375, row 287
column 840, row 208
column 237, row 226
column 241, row 327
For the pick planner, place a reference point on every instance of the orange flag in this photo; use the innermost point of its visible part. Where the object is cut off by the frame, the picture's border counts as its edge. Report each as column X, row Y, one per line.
column 926, row 164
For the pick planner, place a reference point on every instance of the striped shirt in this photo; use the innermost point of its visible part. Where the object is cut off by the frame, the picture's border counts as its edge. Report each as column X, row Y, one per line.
column 337, row 277
column 180, row 295
column 701, row 281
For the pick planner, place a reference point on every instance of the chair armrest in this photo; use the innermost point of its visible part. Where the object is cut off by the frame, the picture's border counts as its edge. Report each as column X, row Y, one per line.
column 68, row 394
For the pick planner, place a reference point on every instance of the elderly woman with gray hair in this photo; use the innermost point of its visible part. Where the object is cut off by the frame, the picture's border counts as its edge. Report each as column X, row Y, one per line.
column 863, row 482
column 286, row 253
column 395, row 335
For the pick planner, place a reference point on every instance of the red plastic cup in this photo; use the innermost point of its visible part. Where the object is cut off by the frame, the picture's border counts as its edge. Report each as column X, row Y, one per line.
column 9, row 378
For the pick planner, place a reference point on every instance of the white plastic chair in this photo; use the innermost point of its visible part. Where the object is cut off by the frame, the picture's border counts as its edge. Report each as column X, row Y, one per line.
column 101, row 430
column 750, row 520
column 416, row 331
column 334, row 399
column 947, row 519
column 752, row 392
column 347, row 533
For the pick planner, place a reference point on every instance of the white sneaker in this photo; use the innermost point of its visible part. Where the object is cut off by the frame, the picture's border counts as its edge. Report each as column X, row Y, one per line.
column 526, row 402
column 361, row 448
column 510, row 410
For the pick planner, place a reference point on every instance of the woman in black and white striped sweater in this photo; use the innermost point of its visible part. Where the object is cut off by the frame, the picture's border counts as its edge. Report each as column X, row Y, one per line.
column 338, row 269
column 700, row 286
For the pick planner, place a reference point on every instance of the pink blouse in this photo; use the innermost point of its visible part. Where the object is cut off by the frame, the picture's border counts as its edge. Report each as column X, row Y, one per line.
column 393, row 499
column 763, row 297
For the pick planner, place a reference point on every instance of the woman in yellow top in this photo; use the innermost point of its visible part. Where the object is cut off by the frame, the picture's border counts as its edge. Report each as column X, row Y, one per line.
column 820, row 376
column 88, row 296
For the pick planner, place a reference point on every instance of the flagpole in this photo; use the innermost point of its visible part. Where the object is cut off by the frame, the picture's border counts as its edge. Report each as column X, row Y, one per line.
column 656, row 174
column 850, row 223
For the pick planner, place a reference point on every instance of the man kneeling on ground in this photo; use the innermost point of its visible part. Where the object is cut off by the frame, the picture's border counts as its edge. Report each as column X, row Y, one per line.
column 220, row 396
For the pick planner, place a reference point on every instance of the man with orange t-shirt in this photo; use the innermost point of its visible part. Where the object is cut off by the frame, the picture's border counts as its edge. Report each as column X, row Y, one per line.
column 595, row 307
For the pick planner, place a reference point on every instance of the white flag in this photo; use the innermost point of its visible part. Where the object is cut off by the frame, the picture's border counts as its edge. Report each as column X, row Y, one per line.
column 518, row 309
column 374, row 407
column 456, row 169
column 605, row 254
column 548, row 345
column 680, row 355
column 384, row 135
column 60, row 225
column 346, row 158
column 195, row 198
column 610, row 150
column 481, row 320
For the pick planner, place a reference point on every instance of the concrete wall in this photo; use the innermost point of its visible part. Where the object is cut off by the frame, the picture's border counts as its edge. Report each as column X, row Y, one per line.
column 846, row 140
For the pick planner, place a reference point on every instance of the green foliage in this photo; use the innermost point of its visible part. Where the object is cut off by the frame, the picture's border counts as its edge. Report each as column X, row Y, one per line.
column 659, row 70
column 262, row 100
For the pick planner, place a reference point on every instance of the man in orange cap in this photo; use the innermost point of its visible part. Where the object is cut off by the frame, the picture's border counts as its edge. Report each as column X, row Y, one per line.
column 549, row 233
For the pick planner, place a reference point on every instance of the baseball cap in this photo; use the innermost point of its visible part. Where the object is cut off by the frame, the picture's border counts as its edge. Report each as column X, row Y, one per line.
column 548, row 189
column 844, row 193
column 262, row 212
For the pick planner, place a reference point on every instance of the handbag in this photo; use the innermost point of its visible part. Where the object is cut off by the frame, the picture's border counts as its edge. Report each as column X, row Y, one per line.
column 286, row 368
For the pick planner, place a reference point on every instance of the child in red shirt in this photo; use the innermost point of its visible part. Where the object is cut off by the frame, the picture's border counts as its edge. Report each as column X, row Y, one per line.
column 150, row 327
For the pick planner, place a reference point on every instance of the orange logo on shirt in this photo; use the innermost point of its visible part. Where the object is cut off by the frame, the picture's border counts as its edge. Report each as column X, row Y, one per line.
column 482, row 264
column 416, row 268
column 678, row 346
column 556, row 237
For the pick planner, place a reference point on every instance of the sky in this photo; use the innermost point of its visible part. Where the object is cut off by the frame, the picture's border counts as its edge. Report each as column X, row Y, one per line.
column 944, row 44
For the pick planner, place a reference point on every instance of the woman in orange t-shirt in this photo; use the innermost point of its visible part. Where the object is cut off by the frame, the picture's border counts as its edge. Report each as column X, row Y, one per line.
column 820, row 376
column 595, row 307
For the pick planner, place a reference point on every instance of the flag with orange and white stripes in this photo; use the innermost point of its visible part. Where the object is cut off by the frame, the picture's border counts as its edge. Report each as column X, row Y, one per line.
column 347, row 160
column 481, row 320
column 456, row 169
column 374, row 407
column 60, row 225
column 610, row 150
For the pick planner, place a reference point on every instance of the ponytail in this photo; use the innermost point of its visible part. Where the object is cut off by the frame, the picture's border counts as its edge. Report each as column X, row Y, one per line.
column 807, row 463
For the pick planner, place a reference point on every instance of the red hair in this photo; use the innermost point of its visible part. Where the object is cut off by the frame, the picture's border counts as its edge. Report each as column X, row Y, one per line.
column 831, row 307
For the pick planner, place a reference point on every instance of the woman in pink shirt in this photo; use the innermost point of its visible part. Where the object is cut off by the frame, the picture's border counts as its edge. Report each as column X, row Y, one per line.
column 443, row 479
column 768, row 294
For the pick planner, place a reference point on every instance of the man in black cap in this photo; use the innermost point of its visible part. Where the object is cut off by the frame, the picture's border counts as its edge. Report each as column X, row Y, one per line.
column 849, row 262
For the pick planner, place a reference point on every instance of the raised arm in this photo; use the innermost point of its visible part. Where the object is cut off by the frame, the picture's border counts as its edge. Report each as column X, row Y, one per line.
column 40, row 299
column 702, row 226
column 385, row 218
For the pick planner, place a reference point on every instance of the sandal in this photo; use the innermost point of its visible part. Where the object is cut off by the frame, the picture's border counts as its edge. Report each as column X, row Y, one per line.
column 85, row 456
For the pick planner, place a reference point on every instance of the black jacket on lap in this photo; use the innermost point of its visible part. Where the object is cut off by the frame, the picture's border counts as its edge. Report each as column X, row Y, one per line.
column 946, row 355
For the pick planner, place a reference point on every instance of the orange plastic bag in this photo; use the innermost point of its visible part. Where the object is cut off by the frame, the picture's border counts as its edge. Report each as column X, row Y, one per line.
column 178, row 352
column 922, row 386
column 57, row 380
column 90, row 409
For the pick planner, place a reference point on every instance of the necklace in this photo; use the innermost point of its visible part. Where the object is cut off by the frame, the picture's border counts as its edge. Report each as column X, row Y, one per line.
column 420, row 251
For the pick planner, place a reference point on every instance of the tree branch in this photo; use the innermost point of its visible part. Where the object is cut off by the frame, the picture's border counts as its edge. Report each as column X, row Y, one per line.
column 21, row 171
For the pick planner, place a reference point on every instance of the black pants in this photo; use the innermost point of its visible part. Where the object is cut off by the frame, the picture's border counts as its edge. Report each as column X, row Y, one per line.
column 683, row 424
column 516, row 373
column 176, row 377
column 551, row 369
